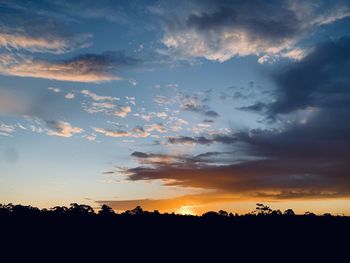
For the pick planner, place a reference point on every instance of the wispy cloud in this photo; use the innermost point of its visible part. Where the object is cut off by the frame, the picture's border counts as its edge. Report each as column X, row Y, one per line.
column 96, row 97
column 6, row 130
column 49, row 44
column 105, row 104
column 69, row 96
column 226, row 139
column 197, row 102
column 156, row 127
column 136, row 132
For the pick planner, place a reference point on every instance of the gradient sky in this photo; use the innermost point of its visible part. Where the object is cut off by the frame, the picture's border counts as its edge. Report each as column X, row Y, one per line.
column 184, row 106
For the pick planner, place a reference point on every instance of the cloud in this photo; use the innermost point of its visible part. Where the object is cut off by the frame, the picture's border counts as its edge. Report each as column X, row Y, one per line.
column 221, row 30
column 189, row 140
column 112, row 133
column 319, row 80
column 83, row 68
column 267, row 178
column 30, row 28
column 96, row 97
column 177, row 123
column 91, row 137
column 61, row 129
column 46, row 44
column 6, row 130
column 69, row 96
column 136, row 132
column 258, row 106
column 194, row 103
column 216, row 138
column 55, row 90
column 156, row 127
column 122, row 112
column 211, row 113
column 151, row 158
column 181, row 160
column 139, row 132
column 105, row 104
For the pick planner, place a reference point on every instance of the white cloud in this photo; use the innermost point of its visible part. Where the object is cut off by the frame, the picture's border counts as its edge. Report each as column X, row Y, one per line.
column 131, row 100
column 91, row 137
column 177, row 123
column 162, row 114
column 70, row 96
column 96, row 97
column 55, row 90
column 112, row 133
column 293, row 54
column 36, row 129
column 137, row 132
column 105, row 104
column 6, row 130
column 62, row 129
column 133, row 82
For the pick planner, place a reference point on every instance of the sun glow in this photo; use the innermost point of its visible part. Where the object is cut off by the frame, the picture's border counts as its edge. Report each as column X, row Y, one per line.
column 186, row 210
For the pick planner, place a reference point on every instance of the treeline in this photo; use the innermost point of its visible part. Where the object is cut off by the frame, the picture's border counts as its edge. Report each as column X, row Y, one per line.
column 75, row 210
column 138, row 234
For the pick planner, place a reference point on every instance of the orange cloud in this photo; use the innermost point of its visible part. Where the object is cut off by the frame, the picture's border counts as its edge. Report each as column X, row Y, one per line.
column 62, row 129
column 38, row 44
column 90, row 68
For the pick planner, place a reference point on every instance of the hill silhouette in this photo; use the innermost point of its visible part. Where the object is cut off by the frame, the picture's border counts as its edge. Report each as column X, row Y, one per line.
column 136, row 233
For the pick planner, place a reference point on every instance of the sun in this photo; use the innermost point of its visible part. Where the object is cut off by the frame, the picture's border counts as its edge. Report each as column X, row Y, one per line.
column 186, row 210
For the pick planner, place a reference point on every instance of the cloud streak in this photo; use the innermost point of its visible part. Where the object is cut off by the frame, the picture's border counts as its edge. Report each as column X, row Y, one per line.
column 136, row 132
column 50, row 44
column 83, row 68
column 218, row 138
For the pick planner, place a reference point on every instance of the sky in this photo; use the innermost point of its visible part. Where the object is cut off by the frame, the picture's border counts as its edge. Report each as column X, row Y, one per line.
column 179, row 106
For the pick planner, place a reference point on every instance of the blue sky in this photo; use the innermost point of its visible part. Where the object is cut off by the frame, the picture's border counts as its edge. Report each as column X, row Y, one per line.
column 185, row 106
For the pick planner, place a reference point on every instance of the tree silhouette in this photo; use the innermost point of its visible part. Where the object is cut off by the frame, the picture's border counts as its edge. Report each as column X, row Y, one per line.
column 76, row 209
column 59, row 210
column 106, row 211
column 136, row 211
column 223, row 213
column 289, row 212
column 309, row 214
column 263, row 209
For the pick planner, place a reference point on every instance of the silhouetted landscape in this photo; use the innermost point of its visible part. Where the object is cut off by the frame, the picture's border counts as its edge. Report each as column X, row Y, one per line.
column 80, row 227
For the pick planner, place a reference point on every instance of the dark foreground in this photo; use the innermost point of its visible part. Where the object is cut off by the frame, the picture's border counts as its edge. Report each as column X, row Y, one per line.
column 79, row 233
